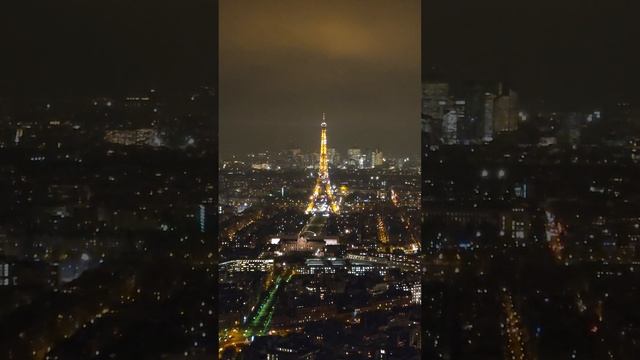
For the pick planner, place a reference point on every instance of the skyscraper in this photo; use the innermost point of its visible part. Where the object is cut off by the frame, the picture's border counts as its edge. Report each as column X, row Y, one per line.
column 505, row 111
column 377, row 158
column 354, row 157
column 487, row 118
column 435, row 97
column 450, row 127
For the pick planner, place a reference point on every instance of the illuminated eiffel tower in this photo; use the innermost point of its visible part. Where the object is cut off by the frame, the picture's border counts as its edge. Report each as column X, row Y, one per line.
column 322, row 200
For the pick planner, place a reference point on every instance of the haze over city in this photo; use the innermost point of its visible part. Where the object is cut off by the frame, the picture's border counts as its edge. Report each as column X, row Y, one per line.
column 284, row 63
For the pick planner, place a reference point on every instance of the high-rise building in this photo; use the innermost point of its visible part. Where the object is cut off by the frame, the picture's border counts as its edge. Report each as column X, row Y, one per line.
column 450, row 128
column 366, row 159
column 472, row 127
column 459, row 106
column 201, row 217
column 377, row 158
column 505, row 111
column 353, row 153
column 19, row 133
column 435, row 98
column 354, row 158
column 333, row 156
column 6, row 278
column 294, row 157
column 487, row 118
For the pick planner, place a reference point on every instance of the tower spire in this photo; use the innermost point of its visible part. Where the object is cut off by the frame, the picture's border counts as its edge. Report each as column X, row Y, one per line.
column 322, row 201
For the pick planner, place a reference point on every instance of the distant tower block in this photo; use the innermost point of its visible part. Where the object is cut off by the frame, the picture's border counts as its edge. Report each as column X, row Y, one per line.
column 322, row 200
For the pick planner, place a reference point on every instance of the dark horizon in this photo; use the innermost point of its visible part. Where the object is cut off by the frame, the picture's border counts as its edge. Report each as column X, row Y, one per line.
column 112, row 48
column 567, row 54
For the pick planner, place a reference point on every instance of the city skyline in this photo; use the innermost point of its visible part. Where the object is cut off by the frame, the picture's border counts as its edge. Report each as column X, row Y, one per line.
column 461, row 186
column 561, row 55
column 530, row 150
column 313, row 148
column 327, row 157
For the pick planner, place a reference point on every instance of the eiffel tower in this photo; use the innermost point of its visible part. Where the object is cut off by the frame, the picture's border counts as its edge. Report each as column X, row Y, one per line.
column 322, row 200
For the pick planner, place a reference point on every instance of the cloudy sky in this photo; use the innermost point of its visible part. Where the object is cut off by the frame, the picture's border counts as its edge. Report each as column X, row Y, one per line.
column 283, row 63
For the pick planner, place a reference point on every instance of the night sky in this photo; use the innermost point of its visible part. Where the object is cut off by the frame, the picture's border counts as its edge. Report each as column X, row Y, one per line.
column 570, row 53
column 282, row 63
column 107, row 47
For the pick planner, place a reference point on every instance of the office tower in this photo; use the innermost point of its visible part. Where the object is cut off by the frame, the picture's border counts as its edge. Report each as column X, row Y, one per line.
column 354, row 158
column 472, row 127
column 487, row 116
column 435, row 98
column 505, row 111
column 450, row 128
column 377, row 158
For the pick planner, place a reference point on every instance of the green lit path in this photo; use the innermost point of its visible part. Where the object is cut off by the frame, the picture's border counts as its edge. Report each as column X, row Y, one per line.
column 260, row 320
